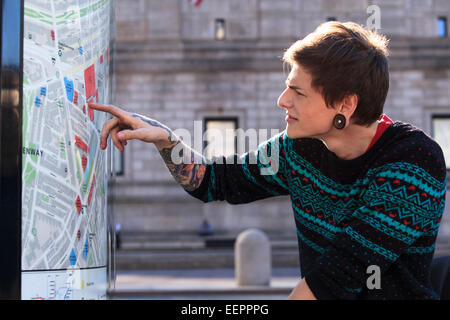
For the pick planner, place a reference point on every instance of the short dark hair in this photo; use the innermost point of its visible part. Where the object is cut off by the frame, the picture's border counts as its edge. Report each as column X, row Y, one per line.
column 346, row 58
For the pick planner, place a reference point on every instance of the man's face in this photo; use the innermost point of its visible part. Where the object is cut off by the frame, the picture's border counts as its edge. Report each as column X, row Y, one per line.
column 307, row 115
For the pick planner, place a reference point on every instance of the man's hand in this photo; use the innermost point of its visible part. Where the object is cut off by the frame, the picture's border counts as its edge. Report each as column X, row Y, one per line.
column 127, row 126
column 302, row 292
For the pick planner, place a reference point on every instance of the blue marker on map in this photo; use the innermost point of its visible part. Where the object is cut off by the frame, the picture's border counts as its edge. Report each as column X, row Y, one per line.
column 80, row 49
column 69, row 88
column 86, row 249
column 73, row 258
column 43, row 91
column 37, row 102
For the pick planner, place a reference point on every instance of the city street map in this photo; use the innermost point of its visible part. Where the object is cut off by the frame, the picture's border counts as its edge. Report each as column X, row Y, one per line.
column 64, row 171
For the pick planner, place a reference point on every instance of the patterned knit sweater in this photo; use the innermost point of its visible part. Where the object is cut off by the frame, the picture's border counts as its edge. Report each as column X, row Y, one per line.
column 380, row 209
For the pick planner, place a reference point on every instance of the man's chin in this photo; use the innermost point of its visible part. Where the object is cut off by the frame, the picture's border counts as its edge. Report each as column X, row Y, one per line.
column 292, row 134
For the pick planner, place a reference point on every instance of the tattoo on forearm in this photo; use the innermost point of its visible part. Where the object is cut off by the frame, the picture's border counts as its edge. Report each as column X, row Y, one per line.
column 188, row 175
column 154, row 123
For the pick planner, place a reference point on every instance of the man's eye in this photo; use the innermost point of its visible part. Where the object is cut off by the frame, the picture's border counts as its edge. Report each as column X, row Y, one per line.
column 299, row 93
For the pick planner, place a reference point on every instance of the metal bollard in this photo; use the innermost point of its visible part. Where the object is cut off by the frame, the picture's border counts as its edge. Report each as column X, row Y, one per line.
column 252, row 258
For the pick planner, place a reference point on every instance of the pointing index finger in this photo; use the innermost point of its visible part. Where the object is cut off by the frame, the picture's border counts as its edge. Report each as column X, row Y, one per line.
column 115, row 111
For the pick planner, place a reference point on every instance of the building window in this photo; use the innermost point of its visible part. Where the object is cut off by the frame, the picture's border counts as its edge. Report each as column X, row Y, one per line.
column 220, row 136
column 220, row 29
column 441, row 133
column 442, row 27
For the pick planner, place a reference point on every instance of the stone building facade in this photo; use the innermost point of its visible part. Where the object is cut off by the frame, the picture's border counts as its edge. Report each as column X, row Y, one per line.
column 169, row 66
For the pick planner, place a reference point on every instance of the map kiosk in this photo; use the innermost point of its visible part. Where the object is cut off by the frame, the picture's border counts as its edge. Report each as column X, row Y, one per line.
column 56, row 239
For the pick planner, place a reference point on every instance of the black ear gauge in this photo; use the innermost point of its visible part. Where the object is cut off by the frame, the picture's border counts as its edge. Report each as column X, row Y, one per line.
column 339, row 121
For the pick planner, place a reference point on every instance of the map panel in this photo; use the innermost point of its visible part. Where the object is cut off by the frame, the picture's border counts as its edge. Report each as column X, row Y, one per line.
column 64, row 195
column 72, row 284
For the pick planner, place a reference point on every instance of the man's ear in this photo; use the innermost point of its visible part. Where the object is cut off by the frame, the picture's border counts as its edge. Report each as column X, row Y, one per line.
column 348, row 105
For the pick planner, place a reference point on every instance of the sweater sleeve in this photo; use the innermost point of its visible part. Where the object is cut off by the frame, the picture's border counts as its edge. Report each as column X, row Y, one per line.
column 248, row 177
column 402, row 203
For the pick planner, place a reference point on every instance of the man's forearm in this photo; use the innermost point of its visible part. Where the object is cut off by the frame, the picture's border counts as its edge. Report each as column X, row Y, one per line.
column 180, row 160
column 178, row 157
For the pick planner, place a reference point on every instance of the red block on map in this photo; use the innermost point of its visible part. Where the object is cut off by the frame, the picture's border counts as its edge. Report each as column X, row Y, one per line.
column 84, row 109
column 75, row 97
column 78, row 204
column 89, row 81
column 78, row 234
column 84, row 162
column 91, row 113
column 90, row 191
column 80, row 144
column 101, row 59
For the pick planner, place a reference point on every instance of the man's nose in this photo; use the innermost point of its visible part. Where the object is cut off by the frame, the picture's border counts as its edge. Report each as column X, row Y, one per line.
column 283, row 100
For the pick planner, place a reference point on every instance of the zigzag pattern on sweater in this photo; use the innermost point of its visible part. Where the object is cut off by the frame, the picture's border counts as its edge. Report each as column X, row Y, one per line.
column 411, row 173
column 405, row 171
column 300, row 214
column 313, row 201
column 404, row 209
column 303, row 168
column 330, row 236
column 407, row 206
column 404, row 234
column 325, row 229
column 366, row 213
column 400, row 194
column 320, row 203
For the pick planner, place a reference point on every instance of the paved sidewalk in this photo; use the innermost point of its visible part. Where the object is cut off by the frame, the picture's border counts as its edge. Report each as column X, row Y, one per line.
column 200, row 284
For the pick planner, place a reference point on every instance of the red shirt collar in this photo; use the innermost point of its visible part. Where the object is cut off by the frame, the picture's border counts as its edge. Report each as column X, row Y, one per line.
column 383, row 123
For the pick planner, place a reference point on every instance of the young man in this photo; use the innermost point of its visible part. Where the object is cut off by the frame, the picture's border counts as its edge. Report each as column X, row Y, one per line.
column 367, row 193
